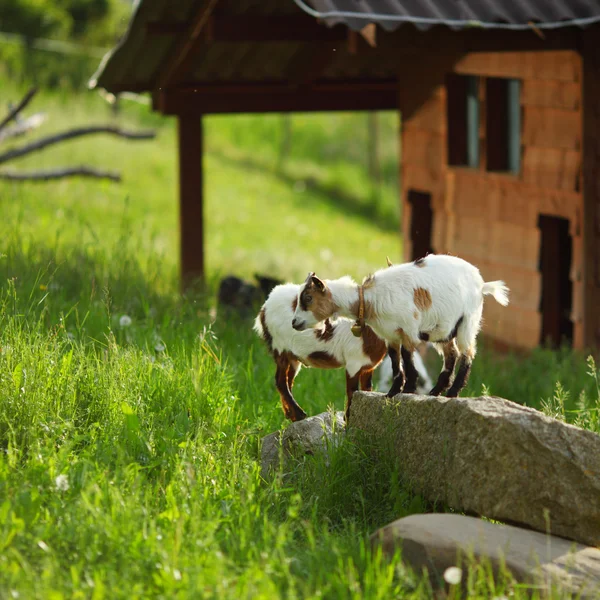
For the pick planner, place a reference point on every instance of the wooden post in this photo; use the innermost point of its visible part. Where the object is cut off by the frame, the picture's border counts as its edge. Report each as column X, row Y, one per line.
column 191, row 223
column 591, row 187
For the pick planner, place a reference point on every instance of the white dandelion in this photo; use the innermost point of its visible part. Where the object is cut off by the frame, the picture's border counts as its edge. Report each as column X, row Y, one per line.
column 125, row 321
column 453, row 575
column 62, row 483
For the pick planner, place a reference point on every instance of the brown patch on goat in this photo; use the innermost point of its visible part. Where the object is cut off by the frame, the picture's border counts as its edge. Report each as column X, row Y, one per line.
column 416, row 315
column 374, row 347
column 326, row 333
column 266, row 333
column 323, row 360
column 405, row 340
column 294, row 304
column 420, row 262
column 422, row 298
column 321, row 303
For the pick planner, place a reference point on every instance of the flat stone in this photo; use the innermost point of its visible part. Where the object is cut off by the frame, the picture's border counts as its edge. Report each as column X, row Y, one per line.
column 308, row 436
column 490, row 457
column 439, row 541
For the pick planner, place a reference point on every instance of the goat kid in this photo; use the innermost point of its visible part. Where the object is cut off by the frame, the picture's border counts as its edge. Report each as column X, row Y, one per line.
column 438, row 299
column 331, row 345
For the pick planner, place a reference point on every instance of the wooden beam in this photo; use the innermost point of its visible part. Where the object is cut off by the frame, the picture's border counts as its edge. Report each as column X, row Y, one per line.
column 254, row 28
column 178, row 60
column 591, row 187
column 191, row 222
column 257, row 98
column 311, row 62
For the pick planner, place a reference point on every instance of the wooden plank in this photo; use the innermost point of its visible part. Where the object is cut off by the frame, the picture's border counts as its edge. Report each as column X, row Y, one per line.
column 430, row 116
column 178, row 61
column 439, row 231
column 552, row 167
column 504, row 198
column 514, row 326
column 552, row 128
column 421, row 178
column 553, row 65
column 514, row 245
column 551, row 94
column 525, row 284
column 423, row 148
column 471, row 237
column 191, row 222
column 259, row 98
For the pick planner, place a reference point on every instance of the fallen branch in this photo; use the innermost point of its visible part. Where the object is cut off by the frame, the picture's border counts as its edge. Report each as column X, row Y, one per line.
column 18, row 108
column 59, row 174
column 74, row 133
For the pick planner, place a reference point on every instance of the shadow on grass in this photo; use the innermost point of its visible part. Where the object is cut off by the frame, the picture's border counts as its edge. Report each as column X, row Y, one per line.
column 383, row 217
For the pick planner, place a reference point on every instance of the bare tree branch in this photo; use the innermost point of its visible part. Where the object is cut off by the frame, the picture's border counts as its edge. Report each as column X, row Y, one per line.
column 74, row 133
column 18, row 108
column 82, row 171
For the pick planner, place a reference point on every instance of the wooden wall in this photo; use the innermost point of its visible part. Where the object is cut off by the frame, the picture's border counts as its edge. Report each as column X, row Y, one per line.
column 490, row 219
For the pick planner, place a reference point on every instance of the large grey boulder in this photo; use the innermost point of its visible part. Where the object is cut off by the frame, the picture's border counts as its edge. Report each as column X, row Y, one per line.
column 491, row 457
column 440, row 541
column 309, row 436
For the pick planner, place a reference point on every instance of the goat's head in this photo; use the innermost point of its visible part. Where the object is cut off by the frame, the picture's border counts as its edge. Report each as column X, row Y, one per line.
column 314, row 303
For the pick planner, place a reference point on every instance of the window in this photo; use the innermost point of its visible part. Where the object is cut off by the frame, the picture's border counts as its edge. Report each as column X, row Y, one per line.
column 463, row 120
column 502, row 135
column 503, row 124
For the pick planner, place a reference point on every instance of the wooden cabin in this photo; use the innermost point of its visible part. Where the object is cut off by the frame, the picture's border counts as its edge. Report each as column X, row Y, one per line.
column 500, row 113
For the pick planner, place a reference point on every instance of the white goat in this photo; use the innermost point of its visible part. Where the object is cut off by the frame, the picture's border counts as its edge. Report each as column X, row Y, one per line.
column 438, row 298
column 330, row 346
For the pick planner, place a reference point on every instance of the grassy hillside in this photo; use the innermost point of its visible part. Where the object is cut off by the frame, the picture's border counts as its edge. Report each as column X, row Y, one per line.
column 130, row 418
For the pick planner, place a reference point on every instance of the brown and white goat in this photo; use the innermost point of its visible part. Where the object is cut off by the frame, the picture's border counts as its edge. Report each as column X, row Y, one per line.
column 438, row 299
column 331, row 345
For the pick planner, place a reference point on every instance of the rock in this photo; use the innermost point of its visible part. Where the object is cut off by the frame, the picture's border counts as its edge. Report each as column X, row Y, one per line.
column 308, row 436
column 440, row 541
column 491, row 457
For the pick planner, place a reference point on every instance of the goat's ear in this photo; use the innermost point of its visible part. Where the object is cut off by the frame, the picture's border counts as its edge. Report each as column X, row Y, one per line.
column 309, row 277
column 320, row 285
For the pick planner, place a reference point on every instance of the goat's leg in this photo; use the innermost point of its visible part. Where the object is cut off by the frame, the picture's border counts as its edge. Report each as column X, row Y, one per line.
column 366, row 380
column 462, row 376
column 397, row 370
column 410, row 386
column 351, row 387
column 450, row 356
column 291, row 408
column 292, row 372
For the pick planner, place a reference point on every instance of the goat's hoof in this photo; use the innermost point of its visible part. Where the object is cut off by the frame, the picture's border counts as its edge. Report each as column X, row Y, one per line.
column 299, row 416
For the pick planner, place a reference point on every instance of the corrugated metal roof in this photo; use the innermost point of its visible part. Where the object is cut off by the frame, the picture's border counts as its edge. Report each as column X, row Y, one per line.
column 136, row 62
column 456, row 14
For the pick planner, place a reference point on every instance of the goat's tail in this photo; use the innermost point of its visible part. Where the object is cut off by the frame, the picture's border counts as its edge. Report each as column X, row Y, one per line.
column 498, row 289
column 258, row 324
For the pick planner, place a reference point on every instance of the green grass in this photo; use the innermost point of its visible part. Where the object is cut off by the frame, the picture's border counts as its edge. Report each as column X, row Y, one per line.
column 129, row 463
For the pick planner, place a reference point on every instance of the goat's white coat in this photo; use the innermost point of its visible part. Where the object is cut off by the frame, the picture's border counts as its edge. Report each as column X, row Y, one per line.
column 456, row 289
column 343, row 345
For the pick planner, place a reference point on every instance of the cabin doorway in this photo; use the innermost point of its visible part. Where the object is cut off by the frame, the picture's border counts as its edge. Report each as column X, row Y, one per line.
column 557, row 289
column 421, row 223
